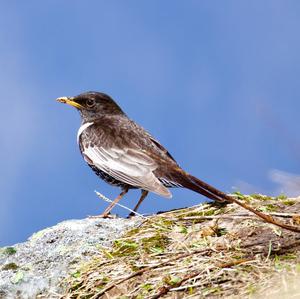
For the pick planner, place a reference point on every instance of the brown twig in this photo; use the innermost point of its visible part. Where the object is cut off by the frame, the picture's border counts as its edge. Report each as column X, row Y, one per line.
column 165, row 289
column 208, row 189
column 235, row 216
column 268, row 218
column 140, row 272
column 175, row 259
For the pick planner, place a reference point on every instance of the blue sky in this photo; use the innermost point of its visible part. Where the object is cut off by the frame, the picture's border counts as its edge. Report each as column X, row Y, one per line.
column 217, row 82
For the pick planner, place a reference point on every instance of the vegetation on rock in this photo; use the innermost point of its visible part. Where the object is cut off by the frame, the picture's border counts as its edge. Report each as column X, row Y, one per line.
column 199, row 252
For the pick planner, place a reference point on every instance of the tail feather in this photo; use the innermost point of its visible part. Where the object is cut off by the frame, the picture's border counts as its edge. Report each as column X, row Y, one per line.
column 206, row 189
column 193, row 183
column 190, row 182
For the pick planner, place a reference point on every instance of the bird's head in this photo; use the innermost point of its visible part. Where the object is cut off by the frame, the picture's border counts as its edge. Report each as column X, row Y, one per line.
column 93, row 105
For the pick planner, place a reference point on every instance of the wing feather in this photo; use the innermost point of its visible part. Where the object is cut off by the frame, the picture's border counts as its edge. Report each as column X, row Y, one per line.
column 128, row 165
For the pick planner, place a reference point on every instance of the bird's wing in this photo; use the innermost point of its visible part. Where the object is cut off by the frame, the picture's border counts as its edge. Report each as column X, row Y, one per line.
column 127, row 165
column 163, row 149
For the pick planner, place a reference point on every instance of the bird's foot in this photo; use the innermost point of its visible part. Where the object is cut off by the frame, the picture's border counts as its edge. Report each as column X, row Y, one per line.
column 103, row 216
column 131, row 215
column 219, row 204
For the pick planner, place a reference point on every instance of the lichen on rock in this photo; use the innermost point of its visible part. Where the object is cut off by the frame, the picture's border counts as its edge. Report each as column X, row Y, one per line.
column 206, row 251
column 36, row 268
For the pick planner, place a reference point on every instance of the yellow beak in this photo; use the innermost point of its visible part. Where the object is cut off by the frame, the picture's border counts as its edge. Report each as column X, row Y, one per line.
column 70, row 101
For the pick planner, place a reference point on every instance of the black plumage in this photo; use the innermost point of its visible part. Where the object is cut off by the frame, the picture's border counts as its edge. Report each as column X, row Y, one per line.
column 123, row 154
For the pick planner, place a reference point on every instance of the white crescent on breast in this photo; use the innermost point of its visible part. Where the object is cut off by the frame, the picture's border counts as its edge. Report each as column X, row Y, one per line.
column 82, row 128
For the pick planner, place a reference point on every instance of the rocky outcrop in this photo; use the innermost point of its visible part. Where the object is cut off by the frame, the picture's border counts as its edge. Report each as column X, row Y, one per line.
column 36, row 268
column 206, row 251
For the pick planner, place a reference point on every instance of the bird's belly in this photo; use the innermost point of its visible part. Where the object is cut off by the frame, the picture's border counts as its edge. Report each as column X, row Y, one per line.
column 109, row 179
column 114, row 182
column 169, row 183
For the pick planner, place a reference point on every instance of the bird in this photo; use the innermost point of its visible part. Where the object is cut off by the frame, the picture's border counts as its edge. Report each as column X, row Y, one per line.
column 124, row 154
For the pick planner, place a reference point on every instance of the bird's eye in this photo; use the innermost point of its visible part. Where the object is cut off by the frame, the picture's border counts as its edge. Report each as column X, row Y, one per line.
column 90, row 103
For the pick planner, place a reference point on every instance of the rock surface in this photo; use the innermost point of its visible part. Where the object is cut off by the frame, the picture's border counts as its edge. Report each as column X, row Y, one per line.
column 34, row 269
column 202, row 251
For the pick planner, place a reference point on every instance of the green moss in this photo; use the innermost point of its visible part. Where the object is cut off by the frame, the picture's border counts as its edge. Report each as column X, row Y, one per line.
column 181, row 229
column 191, row 290
column 288, row 256
column 269, row 208
column 156, row 250
column 206, row 212
column 124, row 248
column 133, row 232
column 163, row 237
column 251, row 288
column 147, row 287
column 224, row 210
column 288, row 202
column 76, row 285
column 9, row 250
column 278, row 264
column 162, row 224
column 239, row 195
column 281, row 197
column 238, row 256
column 261, row 197
column 202, row 243
column 171, row 280
column 220, row 231
column 18, row 277
column 76, row 274
column 211, row 290
column 10, row 266
column 107, row 253
column 155, row 244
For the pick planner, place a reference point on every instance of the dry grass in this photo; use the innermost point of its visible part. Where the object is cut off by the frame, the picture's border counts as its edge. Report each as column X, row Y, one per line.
column 199, row 252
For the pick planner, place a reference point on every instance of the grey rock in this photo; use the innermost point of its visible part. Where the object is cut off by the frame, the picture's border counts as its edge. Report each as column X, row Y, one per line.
column 35, row 268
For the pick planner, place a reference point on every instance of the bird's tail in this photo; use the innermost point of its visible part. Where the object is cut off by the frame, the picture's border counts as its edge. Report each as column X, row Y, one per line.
column 193, row 183
column 203, row 188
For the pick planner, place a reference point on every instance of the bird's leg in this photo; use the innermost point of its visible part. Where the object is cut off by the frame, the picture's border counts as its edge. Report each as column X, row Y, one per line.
column 111, row 206
column 143, row 196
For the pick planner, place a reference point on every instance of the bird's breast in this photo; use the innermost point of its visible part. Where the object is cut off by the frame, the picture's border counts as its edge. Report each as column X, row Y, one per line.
column 82, row 128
